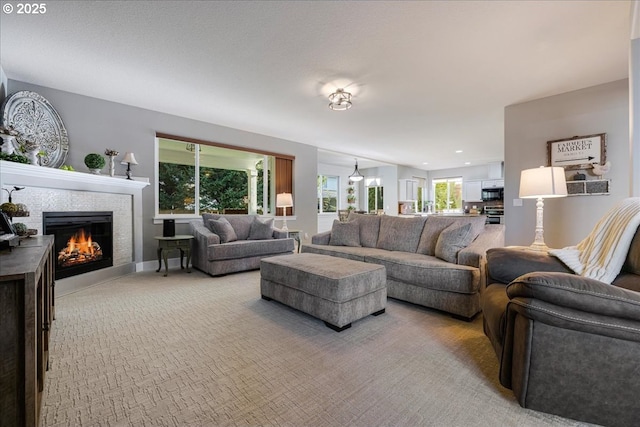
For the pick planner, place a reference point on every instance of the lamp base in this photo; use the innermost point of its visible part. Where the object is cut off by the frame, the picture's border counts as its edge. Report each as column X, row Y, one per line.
column 538, row 247
column 284, row 225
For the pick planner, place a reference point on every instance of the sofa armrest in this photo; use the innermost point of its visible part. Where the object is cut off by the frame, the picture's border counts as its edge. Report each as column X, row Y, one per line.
column 506, row 264
column 577, row 293
column 280, row 234
column 203, row 235
column 321, row 238
column 491, row 237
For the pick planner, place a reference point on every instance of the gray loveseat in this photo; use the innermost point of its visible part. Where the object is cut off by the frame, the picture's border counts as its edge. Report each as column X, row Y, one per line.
column 240, row 249
column 436, row 261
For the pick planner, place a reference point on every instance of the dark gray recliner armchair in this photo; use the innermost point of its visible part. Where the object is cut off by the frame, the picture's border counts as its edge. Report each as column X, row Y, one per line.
column 567, row 345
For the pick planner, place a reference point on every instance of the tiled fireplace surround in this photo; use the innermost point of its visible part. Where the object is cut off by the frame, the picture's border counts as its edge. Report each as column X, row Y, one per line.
column 48, row 189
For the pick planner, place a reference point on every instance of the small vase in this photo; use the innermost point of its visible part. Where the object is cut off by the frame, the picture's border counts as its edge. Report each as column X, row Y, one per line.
column 112, row 166
column 33, row 157
column 95, row 171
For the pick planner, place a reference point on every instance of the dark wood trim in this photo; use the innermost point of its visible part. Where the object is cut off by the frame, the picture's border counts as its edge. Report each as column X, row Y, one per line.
column 284, row 179
column 221, row 145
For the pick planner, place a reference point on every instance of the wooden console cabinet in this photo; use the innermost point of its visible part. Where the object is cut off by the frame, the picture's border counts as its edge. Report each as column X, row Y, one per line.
column 26, row 313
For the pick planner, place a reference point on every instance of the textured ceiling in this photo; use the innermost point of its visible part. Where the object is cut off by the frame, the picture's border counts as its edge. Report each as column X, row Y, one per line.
column 428, row 78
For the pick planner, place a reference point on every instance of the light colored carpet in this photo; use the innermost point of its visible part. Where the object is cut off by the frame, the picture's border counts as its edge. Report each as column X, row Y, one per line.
column 189, row 349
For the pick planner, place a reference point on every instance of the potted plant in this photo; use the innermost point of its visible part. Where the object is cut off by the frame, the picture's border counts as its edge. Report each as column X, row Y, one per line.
column 94, row 162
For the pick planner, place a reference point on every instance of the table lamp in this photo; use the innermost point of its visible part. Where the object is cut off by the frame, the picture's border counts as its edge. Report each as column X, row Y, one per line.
column 129, row 159
column 284, row 201
column 542, row 183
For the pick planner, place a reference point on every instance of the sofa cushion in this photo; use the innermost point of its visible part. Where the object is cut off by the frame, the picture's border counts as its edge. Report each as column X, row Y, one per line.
column 261, row 230
column 349, row 252
column 345, row 234
column 223, row 229
column 452, row 239
column 399, row 233
column 249, row 248
column 241, row 223
column 369, row 228
column 436, row 224
column 428, row 271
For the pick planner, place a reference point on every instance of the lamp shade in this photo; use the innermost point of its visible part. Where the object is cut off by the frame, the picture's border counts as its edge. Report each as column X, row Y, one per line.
column 129, row 158
column 542, row 182
column 284, row 200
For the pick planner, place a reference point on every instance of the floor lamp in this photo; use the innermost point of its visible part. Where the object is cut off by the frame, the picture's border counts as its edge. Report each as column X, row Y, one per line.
column 284, row 201
column 542, row 183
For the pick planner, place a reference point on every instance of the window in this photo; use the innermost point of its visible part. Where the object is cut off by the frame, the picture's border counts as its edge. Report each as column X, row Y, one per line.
column 328, row 193
column 375, row 194
column 198, row 177
column 448, row 194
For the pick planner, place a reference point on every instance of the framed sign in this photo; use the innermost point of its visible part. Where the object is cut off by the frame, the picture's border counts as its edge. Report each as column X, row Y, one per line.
column 578, row 152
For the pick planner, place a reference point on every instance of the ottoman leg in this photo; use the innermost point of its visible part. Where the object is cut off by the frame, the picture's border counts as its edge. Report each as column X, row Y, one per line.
column 378, row 313
column 337, row 329
column 266, row 298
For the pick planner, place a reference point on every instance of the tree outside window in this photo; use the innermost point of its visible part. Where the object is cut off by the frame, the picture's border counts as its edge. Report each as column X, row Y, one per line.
column 375, row 194
column 196, row 178
column 328, row 193
column 448, row 194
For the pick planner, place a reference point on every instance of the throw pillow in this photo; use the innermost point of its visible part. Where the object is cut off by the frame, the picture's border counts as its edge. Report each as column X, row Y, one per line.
column 452, row 240
column 223, row 228
column 345, row 234
column 261, row 230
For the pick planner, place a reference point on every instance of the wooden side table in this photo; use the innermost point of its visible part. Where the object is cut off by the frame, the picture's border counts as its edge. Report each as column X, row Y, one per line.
column 166, row 244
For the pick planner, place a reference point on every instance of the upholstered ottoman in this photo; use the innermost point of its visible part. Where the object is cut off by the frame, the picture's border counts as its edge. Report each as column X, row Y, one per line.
column 338, row 291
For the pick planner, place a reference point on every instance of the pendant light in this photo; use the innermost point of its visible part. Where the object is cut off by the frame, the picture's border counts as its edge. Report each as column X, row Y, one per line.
column 356, row 175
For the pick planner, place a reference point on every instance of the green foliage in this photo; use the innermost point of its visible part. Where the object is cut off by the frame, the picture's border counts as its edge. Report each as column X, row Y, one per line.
column 223, row 189
column 67, row 168
column 9, row 208
column 94, row 161
column 20, row 228
column 219, row 189
column 18, row 158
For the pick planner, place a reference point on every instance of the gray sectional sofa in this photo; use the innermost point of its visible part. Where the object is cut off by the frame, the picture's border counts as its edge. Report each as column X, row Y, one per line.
column 230, row 243
column 435, row 261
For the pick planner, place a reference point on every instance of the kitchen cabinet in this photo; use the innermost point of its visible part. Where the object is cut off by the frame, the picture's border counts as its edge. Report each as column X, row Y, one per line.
column 493, row 183
column 408, row 190
column 472, row 191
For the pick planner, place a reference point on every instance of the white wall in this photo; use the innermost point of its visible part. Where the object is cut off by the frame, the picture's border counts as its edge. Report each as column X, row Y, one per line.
column 3, row 85
column 528, row 127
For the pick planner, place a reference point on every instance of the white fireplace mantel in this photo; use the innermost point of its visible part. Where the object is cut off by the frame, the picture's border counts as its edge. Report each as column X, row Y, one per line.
column 12, row 173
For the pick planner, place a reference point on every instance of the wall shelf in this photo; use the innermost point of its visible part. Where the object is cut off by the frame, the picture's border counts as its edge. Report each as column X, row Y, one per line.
column 592, row 187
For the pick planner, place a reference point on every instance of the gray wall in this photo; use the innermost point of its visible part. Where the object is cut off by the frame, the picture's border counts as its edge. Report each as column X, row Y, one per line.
column 94, row 125
column 528, row 127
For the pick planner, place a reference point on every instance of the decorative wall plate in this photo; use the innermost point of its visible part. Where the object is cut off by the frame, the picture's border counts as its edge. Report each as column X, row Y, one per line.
column 39, row 125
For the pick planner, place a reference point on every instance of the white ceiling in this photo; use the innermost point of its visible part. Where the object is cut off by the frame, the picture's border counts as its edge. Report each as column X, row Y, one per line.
column 427, row 78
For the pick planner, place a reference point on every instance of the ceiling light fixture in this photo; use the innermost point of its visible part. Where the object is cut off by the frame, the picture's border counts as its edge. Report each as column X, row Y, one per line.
column 340, row 100
column 356, row 175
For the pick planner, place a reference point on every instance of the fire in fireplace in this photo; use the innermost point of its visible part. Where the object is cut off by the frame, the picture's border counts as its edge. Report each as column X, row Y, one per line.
column 80, row 249
column 83, row 241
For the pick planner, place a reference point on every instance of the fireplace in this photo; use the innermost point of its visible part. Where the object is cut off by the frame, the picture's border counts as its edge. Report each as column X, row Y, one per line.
column 83, row 241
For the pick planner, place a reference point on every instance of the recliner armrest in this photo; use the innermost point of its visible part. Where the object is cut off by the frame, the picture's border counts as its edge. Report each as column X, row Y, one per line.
column 506, row 264
column 577, row 293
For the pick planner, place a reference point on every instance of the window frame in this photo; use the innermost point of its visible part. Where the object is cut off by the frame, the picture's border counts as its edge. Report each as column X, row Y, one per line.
column 283, row 181
column 319, row 193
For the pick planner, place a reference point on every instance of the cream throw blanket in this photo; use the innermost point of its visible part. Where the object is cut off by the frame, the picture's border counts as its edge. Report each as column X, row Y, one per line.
column 602, row 253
